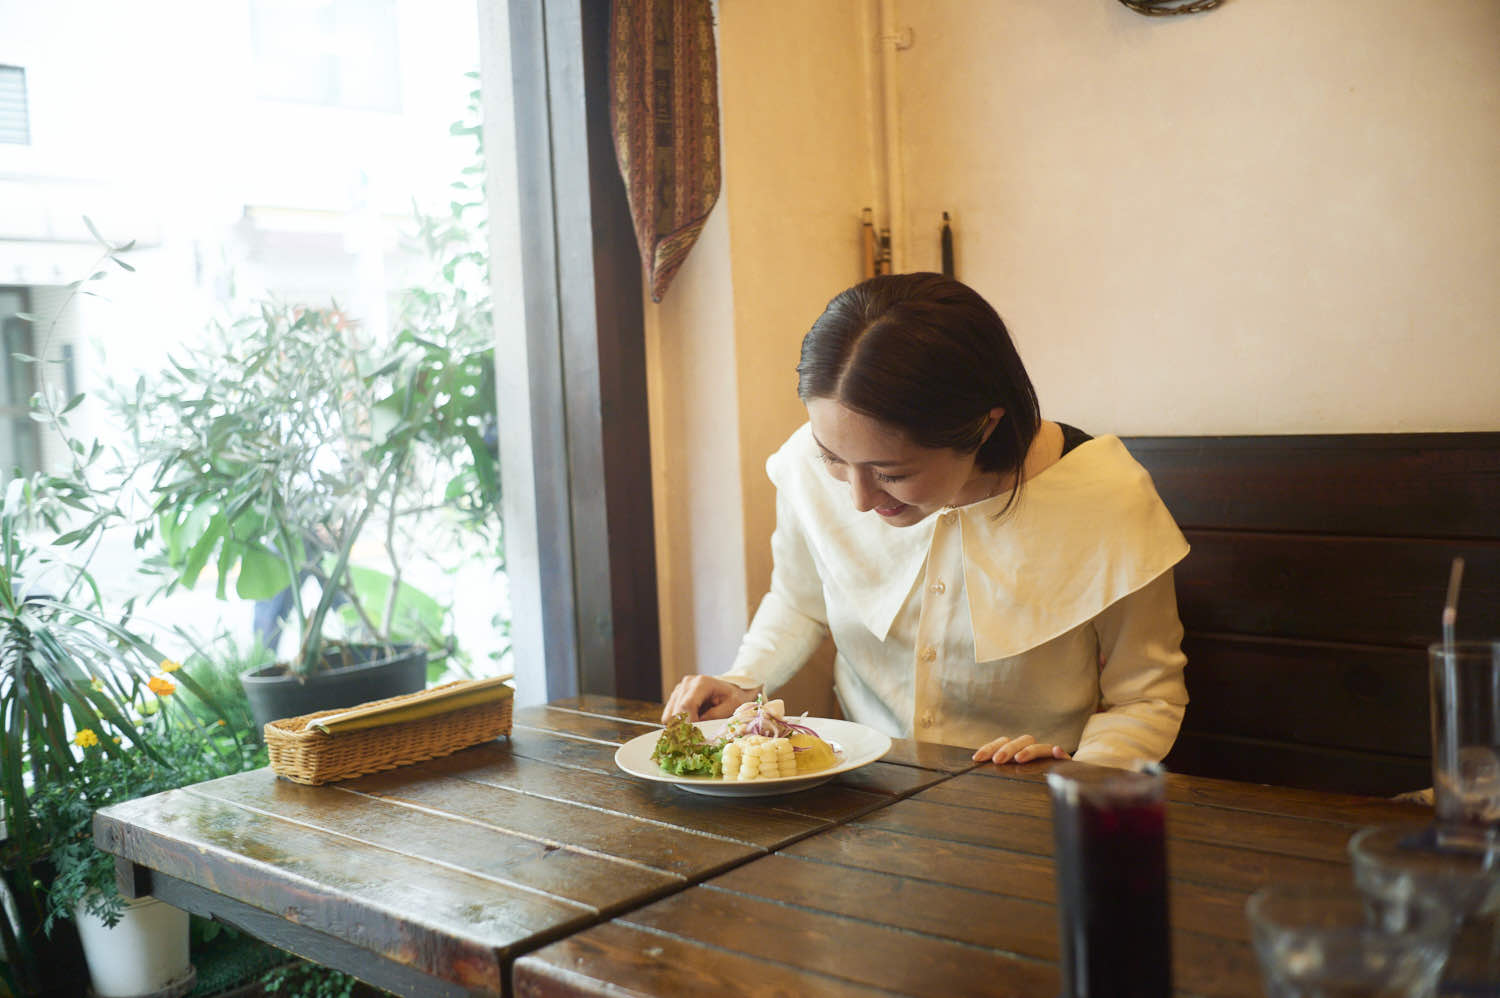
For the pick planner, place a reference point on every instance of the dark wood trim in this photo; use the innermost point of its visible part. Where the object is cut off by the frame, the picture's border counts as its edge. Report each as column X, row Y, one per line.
column 621, row 421
column 1401, row 484
column 1370, row 590
column 584, row 468
column 1253, row 760
column 1312, row 693
column 304, row 942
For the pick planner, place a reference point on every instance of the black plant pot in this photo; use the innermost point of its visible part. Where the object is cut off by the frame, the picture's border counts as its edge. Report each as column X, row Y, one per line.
column 375, row 672
column 41, row 966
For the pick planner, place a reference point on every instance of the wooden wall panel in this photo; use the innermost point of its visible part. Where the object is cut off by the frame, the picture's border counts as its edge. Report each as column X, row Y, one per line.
column 1396, row 484
column 1319, row 694
column 1366, row 590
column 1316, row 581
column 1290, row 765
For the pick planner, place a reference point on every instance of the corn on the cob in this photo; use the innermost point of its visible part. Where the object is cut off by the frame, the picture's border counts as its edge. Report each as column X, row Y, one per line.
column 756, row 757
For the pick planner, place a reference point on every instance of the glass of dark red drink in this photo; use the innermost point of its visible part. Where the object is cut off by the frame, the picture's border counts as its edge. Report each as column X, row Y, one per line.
column 1110, row 849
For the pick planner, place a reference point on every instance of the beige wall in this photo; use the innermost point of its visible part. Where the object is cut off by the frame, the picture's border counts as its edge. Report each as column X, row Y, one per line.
column 1275, row 217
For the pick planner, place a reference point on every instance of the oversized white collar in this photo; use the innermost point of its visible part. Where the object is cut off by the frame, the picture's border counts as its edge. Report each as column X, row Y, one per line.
column 1086, row 532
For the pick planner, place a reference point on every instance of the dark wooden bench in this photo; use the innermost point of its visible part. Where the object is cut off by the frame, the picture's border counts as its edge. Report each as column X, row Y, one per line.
column 1316, row 581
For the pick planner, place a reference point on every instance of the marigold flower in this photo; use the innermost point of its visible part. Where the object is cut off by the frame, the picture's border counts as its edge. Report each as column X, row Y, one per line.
column 85, row 738
column 167, row 665
column 161, row 687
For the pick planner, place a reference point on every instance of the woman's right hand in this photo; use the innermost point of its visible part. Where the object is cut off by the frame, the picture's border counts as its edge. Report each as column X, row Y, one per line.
column 704, row 698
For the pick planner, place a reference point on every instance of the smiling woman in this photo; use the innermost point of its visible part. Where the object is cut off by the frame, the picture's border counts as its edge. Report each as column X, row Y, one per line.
column 886, row 472
column 990, row 579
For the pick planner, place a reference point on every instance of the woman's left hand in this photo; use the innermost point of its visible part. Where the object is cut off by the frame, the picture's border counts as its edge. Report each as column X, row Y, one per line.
column 1022, row 748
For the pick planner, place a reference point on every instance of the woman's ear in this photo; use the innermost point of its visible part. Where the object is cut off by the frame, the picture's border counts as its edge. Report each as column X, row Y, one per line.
column 996, row 414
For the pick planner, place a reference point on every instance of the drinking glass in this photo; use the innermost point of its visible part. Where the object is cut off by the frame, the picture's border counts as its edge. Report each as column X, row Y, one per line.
column 1109, row 834
column 1395, row 863
column 1465, row 687
column 1316, row 941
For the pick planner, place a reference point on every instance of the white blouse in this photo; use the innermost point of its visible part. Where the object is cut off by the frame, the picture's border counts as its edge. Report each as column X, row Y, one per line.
column 1057, row 619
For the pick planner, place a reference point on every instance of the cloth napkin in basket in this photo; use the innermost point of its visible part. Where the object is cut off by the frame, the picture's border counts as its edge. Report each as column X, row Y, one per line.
column 438, row 700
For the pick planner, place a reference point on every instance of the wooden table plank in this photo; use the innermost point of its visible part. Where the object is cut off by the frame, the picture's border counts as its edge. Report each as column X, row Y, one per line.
column 532, row 865
column 599, row 880
column 677, row 852
column 863, row 952
column 763, row 822
column 454, row 924
column 930, row 755
column 904, row 752
column 432, row 877
column 645, row 711
column 878, row 901
column 1023, row 818
column 486, row 976
column 1350, row 809
column 596, row 727
column 657, row 964
column 1212, row 963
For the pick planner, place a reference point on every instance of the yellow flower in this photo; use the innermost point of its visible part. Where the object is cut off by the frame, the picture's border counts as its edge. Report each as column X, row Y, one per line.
column 161, row 687
column 85, row 738
column 167, row 665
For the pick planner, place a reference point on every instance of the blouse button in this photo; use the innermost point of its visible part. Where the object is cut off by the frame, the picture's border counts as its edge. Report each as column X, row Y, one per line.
column 928, row 720
column 938, row 587
column 929, row 654
column 949, row 516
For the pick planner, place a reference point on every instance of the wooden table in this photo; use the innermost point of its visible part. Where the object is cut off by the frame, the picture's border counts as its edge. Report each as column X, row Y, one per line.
column 431, row 879
column 950, row 892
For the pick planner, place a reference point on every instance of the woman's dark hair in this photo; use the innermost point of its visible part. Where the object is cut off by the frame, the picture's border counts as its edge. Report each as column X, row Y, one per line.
column 930, row 357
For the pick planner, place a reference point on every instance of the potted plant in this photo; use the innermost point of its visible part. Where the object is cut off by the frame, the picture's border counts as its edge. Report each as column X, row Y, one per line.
column 273, row 448
column 67, row 660
column 65, row 666
column 139, row 946
column 292, row 445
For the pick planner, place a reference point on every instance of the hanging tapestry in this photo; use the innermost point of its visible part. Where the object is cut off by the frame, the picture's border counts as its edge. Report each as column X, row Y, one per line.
column 664, row 113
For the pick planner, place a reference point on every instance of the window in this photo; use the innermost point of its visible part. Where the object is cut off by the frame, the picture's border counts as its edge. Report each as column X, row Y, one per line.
column 340, row 53
column 15, row 124
column 18, row 439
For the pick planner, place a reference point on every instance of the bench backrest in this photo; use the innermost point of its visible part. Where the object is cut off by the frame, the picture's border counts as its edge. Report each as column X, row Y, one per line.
column 1316, row 580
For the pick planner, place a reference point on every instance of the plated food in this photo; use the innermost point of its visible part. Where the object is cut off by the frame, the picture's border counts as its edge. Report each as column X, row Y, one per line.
column 854, row 746
column 758, row 743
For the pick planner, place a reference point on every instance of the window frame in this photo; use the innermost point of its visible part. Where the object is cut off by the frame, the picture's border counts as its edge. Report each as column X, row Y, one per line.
column 575, row 440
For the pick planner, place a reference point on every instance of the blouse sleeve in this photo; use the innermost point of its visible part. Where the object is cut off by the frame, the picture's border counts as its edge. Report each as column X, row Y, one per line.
column 791, row 622
column 1142, row 693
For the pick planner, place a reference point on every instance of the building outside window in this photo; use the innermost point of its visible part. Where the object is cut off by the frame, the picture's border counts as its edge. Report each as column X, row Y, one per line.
column 262, row 150
column 18, row 440
column 15, row 121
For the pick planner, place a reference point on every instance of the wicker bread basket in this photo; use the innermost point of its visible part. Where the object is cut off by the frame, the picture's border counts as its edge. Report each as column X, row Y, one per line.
column 302, row 753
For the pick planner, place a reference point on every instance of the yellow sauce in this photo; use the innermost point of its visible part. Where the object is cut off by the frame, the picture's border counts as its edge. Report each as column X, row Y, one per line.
column 813, row 753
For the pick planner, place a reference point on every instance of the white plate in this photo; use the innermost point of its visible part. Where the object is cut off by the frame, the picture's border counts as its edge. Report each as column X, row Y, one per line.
column 854, row 745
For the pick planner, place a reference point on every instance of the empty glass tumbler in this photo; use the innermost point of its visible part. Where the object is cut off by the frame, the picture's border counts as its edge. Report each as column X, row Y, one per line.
column 1465, row 683
column 1319, row 941
column 1396, row 864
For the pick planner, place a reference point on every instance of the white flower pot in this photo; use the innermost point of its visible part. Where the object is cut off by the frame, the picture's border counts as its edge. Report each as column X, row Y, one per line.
column 145, row 954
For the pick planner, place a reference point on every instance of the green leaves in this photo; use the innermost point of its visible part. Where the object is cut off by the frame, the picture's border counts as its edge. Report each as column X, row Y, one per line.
column 683, row 751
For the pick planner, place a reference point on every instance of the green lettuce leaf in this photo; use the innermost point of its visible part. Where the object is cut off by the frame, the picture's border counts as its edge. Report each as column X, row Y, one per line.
column 683, row 751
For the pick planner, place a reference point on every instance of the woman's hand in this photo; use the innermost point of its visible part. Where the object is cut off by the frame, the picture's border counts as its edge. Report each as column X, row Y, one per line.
column 1022, row 748
column 705, row 698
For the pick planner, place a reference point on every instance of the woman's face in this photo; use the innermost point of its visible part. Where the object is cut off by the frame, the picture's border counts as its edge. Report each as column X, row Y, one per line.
column 888, row 473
